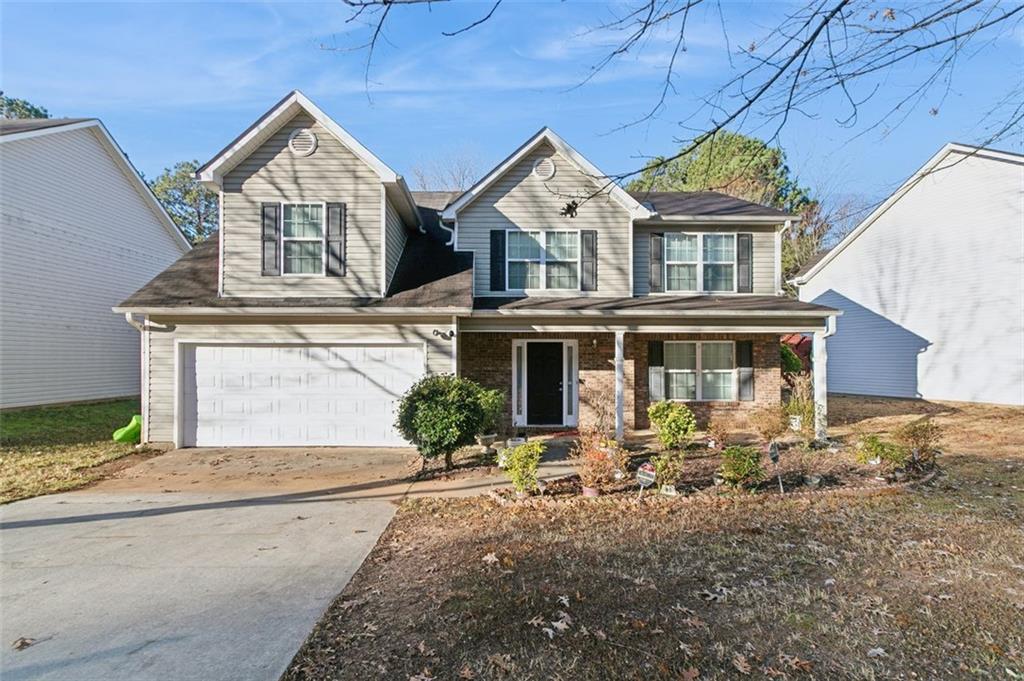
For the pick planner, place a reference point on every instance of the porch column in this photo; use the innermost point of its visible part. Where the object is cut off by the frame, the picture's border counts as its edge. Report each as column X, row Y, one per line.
column 620, row 382
column 820, row 360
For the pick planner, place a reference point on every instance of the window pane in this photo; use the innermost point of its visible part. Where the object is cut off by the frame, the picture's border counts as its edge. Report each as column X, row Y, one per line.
column 681, row 247
column 523, row 245
column 562, row 275
column 681, row 356
column 303, row 257
column 716, row 356
column 681, row 277
column 563, row 245
column 719, row 248
column 716, row 385
column 303, row 220
column 523, row 275
column 680, row 385
column 718, row 277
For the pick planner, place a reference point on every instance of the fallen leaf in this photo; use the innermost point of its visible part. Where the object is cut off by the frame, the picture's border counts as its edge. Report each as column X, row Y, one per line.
column 560, row 625
column 690, row 674
column 22, row 643
column 549, row 632
column 877, row 652
column 563, row 600
column 490, row 559
column 741, row 664
column 466, row 673
column 536, row 621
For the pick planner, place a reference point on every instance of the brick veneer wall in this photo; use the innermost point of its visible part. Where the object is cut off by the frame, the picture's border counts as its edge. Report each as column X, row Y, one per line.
column 487, row 359
column 767, row 376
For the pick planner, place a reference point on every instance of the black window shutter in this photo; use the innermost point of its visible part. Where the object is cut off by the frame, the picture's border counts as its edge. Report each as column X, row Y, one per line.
column 655, row 371
column 270, row 218
column 336, row 216
column 745, row 369
column 657, row 262
column 745, row 263
column 497, row 260
column 588, row 247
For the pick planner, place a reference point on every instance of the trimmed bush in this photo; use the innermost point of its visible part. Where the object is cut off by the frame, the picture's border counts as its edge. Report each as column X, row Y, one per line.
column 668, row 467
column 493, row 404
column 596, row 458
column 891, row 456
column 741, row 466
column 718, row 431
column 440, row 414
column 673, row 422
column 521, row 465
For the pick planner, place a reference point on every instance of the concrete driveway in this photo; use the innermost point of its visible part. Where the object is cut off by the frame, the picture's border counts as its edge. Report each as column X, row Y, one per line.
column 198, row 564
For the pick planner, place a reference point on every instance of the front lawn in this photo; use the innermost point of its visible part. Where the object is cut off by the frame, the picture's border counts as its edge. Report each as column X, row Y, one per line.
column 54, row 449
column 920, row 583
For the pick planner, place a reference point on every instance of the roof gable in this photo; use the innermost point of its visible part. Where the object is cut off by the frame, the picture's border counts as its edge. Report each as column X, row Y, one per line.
column 936, row 162
column 546, row 135
column 266, row 125
column 95, row 127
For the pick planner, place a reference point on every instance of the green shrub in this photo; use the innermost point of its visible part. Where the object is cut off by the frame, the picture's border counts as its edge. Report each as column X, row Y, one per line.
column 871, row 447
column 493, row 404
column 668, row 467
column 440, row 414
column 673, row 422
column 923, row 435
column 791, row 363
column 741, row 466
column 521, row 465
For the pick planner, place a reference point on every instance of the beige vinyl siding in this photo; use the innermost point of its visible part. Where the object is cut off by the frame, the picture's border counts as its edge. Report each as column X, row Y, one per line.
column 76, row 238
column 395, row 237
column 331, row 174
column 763, row 245
column 521, row 200
column 161, row 357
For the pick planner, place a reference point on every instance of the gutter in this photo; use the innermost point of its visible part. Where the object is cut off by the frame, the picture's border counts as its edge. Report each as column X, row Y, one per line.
column 292, row 311
column 145, row 325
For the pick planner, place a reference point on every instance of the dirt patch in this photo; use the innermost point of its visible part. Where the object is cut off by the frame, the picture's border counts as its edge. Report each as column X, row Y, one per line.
column 920, row 583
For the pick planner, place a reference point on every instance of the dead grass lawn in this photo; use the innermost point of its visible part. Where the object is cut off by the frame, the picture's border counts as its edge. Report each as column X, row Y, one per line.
column 927, row 583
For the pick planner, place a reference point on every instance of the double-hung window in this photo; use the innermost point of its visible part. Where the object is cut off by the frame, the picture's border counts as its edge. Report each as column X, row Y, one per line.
column 543, row 260
column 302, row 238
column 700, row 262
column 700, row 370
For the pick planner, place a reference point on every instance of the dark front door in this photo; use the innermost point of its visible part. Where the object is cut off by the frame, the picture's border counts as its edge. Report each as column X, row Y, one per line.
column 544, row 383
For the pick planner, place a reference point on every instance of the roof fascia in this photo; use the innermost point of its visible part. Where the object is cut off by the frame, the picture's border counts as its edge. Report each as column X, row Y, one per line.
column 213, row 171
column 910, row 183
column 28, row 134
column 634, row 207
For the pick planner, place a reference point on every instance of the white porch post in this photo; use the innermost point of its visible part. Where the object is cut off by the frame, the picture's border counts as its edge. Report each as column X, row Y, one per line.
column 820, row 359
column 620, row 381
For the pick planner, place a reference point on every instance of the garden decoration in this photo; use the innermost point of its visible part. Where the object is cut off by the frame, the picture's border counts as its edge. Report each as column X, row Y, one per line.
column 773, row 454
column 645, row 477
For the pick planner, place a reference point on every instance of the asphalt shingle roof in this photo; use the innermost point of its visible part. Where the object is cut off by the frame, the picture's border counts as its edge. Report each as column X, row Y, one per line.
column 704, row 204
column 653, row 303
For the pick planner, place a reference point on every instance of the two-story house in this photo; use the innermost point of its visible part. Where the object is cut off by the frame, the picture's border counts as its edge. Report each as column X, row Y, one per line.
column 331, row 288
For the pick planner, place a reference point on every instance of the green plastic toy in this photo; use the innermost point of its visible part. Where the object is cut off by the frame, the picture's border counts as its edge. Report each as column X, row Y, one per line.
column 131, row 433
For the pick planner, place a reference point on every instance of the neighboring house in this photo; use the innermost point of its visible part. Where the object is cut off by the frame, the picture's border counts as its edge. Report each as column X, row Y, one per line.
column 79, row 231
column 931, row 285
column 331, row 288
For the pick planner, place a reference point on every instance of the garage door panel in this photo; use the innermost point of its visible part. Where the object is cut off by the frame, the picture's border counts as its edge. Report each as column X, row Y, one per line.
column 296, row 395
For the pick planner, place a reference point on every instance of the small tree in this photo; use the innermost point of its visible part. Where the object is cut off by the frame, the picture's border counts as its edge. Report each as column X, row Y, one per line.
column 440, row 414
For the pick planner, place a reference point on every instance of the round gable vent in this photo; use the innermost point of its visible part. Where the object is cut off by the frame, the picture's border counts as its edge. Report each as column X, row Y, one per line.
column 302, row 142
column 544, row 168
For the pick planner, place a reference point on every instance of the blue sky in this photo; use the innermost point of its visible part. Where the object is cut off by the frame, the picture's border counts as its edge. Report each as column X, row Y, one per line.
column 179, row 81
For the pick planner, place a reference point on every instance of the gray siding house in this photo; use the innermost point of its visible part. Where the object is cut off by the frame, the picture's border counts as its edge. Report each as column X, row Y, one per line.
column 79, row 231
column 331, row 288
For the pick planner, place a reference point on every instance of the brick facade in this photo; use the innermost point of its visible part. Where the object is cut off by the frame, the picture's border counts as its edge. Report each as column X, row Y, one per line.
column 487, row 359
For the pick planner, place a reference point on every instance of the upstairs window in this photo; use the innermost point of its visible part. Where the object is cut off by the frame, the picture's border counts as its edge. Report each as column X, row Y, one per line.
column 700, row 263
column 543, row 260
column 302, row 239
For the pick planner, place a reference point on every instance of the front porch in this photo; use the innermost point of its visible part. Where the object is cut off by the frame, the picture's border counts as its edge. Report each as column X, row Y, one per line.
column 559, row 380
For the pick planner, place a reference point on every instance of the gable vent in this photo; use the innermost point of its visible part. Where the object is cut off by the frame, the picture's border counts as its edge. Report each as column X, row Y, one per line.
column 302, row 142
column 544, row 168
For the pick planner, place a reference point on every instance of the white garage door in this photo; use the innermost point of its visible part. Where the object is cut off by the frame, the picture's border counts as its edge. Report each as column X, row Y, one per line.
column 287, row 395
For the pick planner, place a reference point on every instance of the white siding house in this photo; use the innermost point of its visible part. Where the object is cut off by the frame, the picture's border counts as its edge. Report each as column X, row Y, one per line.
column 931, row 286
column 79, row 232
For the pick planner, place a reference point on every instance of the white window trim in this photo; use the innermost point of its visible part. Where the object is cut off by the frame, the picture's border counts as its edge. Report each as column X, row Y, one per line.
column 570, row 405
column 543, row 260
column 701, row 262
column 322, row 239
column 699, row 372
